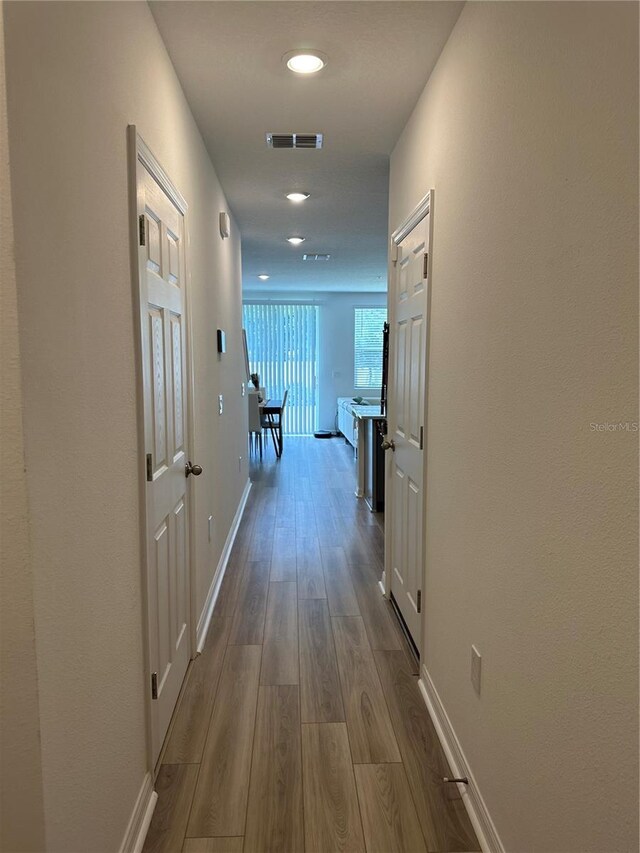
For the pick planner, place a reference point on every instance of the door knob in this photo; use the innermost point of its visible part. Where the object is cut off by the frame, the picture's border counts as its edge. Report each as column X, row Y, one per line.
column 196, row 470
column 388, row 444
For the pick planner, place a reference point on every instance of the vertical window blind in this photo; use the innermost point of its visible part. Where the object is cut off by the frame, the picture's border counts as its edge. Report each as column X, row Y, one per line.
column 368, row 327
column 282, row 344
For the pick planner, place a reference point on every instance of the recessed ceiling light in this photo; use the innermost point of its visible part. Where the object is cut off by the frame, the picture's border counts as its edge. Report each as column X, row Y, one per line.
column 263, row 277
column 295, row 241
column 305, row 61
column 297, row 197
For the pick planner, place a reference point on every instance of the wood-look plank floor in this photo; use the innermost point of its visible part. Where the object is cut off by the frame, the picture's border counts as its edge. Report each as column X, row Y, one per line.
column 444, row 820
column 331, row 813
column 220, row 800
column 370, row 731
column 274, row 815
column 320, row 694
column 280, row 647
column 337, row 580
column 175, row 786
column 388, row 814
column 214, row 845
column 301, row 727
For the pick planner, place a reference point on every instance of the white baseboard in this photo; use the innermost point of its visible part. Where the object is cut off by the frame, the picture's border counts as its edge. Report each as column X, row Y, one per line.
column 471, row 796
column 140, row 819
column 207, row 611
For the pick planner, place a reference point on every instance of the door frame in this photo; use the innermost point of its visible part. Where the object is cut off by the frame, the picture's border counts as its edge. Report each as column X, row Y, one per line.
column 140, row 155
column 422, row 209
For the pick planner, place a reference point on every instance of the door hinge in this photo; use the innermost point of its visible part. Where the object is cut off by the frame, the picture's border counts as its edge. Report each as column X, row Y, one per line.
column 394, row 252
column 149, row 467
column 419, row 602
column 142, row 227
column 154, row 685
column 425, row 265
column 421, row 438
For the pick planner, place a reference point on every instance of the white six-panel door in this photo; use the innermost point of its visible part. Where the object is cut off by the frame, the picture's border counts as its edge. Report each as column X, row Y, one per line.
column 165, row 390
column 406, row 422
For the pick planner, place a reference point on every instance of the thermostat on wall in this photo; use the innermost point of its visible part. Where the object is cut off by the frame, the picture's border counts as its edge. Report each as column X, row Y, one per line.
column 222, row 341
column 225, row 224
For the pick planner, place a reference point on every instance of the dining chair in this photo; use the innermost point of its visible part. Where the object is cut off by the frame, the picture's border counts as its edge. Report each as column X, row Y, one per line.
column 273, row 422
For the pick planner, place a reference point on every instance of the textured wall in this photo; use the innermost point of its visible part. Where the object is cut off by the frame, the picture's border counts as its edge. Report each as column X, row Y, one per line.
column 528, row 132
column 336, row 354
column 101, row 66
column 21, row 805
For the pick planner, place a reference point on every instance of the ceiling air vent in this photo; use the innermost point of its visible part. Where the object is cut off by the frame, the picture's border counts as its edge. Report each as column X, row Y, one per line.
column 294, row 140
column 315, row 257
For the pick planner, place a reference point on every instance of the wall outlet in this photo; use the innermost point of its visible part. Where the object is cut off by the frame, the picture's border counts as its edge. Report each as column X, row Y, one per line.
column 476, row 669
column 220, row 404
column 210, row 527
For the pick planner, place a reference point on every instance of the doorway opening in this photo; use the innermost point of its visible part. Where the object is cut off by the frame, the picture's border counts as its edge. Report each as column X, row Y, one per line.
column 282, row 341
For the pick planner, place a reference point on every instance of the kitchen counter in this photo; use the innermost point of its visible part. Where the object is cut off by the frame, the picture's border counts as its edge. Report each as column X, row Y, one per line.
column 366, row 412
column 366, row 417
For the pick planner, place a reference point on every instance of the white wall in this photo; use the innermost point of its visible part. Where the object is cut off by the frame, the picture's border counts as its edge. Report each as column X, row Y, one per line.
column 335, row 343
column 528, row 132
column 21, row 804
column 77, row 75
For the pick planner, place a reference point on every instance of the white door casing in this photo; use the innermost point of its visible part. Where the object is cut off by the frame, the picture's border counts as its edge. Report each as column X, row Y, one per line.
column 408, row 361
column 166, row 406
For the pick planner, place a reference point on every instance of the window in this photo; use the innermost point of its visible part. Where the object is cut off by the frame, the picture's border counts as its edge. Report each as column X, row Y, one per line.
column 282, row 344
column 368, row 347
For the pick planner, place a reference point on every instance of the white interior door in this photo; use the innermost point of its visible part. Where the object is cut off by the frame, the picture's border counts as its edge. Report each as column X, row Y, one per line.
column 165, row 391
column 406, row 422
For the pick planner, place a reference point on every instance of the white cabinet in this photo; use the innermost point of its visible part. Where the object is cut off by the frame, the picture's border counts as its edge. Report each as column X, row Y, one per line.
column 347, row 421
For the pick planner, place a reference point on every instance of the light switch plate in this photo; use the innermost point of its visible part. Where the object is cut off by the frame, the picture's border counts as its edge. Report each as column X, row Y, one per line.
column 220, row 404
column 210, row 527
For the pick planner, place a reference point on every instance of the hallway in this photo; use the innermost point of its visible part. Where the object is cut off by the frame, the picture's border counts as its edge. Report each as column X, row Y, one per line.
column 301, row 726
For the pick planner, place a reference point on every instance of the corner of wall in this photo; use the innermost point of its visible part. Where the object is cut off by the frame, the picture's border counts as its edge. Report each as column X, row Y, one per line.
column 21, row 795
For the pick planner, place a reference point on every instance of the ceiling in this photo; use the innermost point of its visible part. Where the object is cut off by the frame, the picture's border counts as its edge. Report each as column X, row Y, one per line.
column 228, row 56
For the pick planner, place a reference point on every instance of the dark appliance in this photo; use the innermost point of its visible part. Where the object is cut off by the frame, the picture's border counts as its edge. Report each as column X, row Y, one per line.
column 374, row 463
